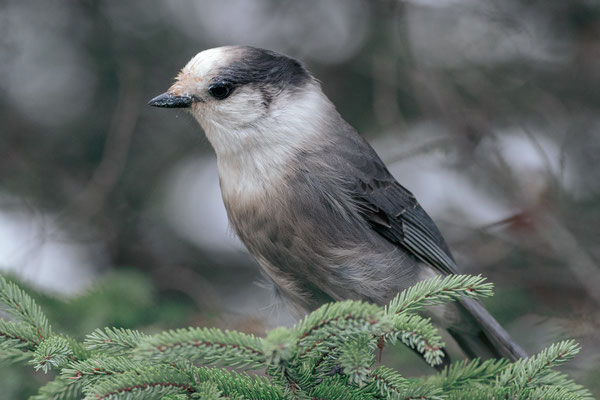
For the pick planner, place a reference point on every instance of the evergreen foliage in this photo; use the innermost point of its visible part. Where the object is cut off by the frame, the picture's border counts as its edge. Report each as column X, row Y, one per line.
column 330, row 354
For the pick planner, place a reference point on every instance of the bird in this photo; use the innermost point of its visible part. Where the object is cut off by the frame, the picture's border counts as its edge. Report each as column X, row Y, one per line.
column 311, row 199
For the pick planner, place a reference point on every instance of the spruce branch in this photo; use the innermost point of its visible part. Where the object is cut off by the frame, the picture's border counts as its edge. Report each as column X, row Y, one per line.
column 297, row 377
column 18, row 304
column 93, row 369
column 419, row 334
column 233, row 384
column 481, row 393
column 205, row 345
column 176, row 397
column 356, row 358
column 418, row 391
column 337, row 388
column 146, row 383
column 330, row 326
column 59, row 389
column 80, row 352
column 114, row 340
column 558, row 379
column 279, row 348
column 328, row 355
column 18, row 335
column 555, row 392
column 343, row 314
column 391, row 385
column 209, row 391
column 439, row 290
column 13, row 356
column 465, row 372
column 413, row 330
column 387, row 382
column 526, row 373
column 53, row 352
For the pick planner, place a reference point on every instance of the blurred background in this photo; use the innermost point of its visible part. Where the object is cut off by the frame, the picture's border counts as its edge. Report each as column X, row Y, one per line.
column 488, row 111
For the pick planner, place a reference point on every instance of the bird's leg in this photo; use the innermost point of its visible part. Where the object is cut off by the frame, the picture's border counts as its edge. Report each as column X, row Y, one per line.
column 380, row 344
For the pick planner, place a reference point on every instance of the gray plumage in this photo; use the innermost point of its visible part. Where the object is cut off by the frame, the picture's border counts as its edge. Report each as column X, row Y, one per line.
column 311, row 199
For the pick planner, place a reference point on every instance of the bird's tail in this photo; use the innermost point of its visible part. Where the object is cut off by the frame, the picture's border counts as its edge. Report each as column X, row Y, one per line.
column 490, row 340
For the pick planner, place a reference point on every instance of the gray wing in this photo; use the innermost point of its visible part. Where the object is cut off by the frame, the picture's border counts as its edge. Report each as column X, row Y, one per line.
column 392, row 211
column 395, row 214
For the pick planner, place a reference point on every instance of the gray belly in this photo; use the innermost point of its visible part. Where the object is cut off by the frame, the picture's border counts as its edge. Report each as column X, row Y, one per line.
column 314, row 253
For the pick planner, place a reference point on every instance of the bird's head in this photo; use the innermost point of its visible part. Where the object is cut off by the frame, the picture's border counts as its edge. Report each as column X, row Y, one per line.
column 245, row 94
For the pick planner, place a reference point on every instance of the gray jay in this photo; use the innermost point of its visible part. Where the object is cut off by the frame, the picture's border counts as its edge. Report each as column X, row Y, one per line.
column 311, row 199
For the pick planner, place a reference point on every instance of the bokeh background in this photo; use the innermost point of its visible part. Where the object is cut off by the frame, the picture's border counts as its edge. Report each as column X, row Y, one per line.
column 488, row 110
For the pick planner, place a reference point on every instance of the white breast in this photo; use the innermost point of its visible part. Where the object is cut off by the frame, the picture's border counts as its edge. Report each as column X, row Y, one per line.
column 250, row 174
column 253, row 158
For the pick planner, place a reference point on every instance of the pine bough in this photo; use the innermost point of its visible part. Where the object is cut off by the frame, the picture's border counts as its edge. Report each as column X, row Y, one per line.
column 330, row 354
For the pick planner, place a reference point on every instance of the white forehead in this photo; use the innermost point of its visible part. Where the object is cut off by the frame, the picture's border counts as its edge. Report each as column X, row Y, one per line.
column 206, row 61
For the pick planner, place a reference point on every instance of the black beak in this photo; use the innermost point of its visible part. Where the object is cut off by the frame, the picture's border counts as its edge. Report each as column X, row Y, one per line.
column 169, row 100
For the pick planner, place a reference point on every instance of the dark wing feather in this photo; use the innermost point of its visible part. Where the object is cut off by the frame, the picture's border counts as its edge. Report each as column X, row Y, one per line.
column 392, row 211
column 395, row 214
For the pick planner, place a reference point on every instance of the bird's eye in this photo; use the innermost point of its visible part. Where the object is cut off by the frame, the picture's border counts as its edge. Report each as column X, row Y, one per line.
column 220, row 90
